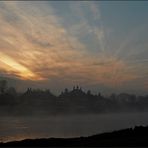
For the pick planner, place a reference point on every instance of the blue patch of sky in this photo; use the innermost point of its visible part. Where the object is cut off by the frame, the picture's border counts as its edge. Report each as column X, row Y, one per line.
column 69, row 18
column 124, row 19
column 124, row 15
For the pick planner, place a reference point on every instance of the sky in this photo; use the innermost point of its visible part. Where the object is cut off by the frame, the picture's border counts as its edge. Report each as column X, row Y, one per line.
column 99, row 45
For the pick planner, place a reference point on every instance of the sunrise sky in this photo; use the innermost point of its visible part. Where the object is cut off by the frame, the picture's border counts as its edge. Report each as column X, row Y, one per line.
column 98, row 45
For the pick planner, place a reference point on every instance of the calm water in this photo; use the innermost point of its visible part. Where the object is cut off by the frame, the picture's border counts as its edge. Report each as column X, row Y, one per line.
column 18, row 128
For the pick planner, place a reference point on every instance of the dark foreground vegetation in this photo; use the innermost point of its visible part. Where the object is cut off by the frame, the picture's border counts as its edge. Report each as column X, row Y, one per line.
column 126, row 137
column 75, row 101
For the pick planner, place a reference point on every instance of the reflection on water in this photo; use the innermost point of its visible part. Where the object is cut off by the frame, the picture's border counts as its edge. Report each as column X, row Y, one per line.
column 18, row 128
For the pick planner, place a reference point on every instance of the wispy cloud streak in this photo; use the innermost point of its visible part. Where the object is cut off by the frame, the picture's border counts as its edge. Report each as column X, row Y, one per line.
column 34, row 44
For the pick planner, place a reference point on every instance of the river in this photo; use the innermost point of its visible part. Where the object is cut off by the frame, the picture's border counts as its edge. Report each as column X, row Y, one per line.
column 18, row 128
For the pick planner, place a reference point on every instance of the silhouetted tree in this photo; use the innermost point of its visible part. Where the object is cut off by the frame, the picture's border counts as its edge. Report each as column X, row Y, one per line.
column 3, row 86
column 12, row 91
column 113, row 96
column 69, row 101
column 29, row 90
column 66, row 90
column 74, row 88
column 88, row 92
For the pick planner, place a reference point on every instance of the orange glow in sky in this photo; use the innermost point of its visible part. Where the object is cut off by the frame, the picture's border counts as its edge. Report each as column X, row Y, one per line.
column 22, row 71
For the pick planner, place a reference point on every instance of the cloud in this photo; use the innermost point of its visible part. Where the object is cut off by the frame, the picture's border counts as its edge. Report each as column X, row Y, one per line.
column 90, row 26
column 35, row 45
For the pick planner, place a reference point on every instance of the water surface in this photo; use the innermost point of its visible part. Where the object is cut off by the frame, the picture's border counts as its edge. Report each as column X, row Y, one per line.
column 18, row 128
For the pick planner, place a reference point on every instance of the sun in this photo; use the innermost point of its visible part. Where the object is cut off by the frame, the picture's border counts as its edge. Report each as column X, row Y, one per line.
column 20, row 70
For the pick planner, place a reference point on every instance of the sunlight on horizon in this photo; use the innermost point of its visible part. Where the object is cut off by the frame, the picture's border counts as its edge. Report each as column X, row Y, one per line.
column 21, row 71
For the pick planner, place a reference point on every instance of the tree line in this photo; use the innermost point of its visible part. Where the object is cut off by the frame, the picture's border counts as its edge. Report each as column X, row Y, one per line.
column 75, row 101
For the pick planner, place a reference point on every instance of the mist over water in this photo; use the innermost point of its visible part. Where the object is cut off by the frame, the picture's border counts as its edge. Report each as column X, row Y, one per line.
column 18, row 128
